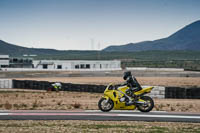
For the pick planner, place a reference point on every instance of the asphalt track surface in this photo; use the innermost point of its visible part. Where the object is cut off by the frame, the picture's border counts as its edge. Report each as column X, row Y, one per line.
column 98, row 116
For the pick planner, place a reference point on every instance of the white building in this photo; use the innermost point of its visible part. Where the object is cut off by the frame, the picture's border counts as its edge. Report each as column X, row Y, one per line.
column 23, row 64
column 78, row 64
column 4, row 61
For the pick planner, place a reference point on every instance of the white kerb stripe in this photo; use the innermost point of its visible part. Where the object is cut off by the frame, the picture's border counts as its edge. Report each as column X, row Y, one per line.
column 4, row 113
column 161, row 116
column 138, row 115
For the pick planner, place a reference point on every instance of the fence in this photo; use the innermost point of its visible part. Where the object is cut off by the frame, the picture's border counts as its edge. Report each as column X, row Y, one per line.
column 156, row 69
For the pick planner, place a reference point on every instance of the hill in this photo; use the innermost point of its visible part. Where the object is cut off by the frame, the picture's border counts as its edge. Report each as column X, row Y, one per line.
column 188, row 38
column 14, row 50
column 189, row 60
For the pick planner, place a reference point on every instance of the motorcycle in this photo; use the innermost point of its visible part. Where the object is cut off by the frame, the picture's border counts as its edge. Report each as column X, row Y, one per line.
column 121, row 98
column 55, row 87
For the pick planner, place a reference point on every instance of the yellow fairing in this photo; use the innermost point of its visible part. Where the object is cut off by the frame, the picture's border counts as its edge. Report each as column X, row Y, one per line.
column 145, row 90
column 115, row 95
column 121, row 106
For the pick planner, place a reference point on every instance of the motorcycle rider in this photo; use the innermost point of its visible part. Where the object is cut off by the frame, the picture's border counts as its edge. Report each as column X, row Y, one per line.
column 133, row 85
column 55, row 87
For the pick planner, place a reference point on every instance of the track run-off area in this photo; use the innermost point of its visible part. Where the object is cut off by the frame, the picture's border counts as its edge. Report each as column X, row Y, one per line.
column 98, row 115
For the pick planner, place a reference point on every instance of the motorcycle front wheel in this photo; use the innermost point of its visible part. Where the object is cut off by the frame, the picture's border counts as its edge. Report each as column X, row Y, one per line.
column 147, row 106
column 105, row 105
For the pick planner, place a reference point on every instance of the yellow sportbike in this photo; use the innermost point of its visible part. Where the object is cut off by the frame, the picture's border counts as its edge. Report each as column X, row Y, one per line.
column 120, row 98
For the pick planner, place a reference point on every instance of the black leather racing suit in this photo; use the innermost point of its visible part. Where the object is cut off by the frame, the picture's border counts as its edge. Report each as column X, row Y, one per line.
column 133, row 84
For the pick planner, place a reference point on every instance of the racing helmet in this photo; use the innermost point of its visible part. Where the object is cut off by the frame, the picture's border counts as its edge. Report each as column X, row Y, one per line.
column 127, row 74
column 57, row 84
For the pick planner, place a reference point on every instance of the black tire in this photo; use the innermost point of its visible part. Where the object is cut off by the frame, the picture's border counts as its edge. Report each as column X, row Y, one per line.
column 109, row 105
column 148, row 107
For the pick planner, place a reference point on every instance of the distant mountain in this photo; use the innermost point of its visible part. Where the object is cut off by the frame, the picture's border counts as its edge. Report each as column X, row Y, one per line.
column 11, row 49
column 188, row 38
column 14, row 50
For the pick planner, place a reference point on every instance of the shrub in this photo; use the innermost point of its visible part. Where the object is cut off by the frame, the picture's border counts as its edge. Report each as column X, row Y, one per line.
column 35, row 104
column 76, row 105
column 1, row 105
column 172, row 109
column 7, row 105
column 59, row 102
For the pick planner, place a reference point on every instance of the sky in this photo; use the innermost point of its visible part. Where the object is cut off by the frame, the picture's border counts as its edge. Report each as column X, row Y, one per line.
column 92, row 24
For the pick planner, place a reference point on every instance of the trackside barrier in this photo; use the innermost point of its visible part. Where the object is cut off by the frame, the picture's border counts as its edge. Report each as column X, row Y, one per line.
column 182, row 93
column 6, row 83
column 44, row 85
column 157, row 92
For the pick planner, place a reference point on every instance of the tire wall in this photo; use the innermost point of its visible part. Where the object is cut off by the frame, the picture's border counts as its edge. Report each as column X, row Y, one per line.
column 44, row 85
column 157, row 92
column 182, row 93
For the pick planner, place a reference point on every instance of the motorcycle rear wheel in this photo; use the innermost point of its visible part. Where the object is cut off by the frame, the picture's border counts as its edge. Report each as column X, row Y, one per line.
column 105, row 105
column 148, row 106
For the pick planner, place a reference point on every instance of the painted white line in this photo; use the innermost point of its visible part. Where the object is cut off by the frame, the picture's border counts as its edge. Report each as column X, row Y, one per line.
column 4, row 113
column 100, row 114
column 27, row 111
column 161, row 116
column 57, row 114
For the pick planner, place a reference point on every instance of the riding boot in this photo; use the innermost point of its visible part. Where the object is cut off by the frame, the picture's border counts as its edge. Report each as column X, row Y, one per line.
column 130, row 102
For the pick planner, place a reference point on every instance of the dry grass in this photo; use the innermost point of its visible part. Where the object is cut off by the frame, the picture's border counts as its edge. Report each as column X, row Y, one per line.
column 48, row 100
column 7, row 105
column 40, row 100
column 96, row 126
column 152, row 81
column 76, row 105
column 177, row 105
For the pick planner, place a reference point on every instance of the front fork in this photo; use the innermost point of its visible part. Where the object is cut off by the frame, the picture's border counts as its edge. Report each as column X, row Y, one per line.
column 106, row 97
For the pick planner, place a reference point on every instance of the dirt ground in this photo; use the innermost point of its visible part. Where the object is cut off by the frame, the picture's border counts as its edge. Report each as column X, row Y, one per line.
column 70, row 126
column 150, row 81
column 19, row 99
column 42, row 100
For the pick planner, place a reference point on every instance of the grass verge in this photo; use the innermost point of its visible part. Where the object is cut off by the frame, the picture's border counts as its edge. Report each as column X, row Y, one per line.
column 97, row 126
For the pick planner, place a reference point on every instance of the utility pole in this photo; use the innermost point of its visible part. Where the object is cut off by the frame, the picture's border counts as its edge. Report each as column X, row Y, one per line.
column 92, row 44
column 99, row 51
